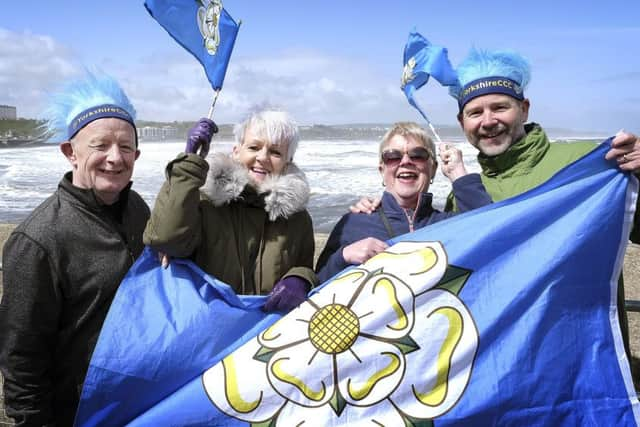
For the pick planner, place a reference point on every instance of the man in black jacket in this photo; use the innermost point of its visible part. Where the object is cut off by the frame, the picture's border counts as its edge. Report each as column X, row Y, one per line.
column 64, row 263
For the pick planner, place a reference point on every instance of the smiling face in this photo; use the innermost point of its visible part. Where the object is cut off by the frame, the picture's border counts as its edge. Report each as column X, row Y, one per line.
column 407, row 177
column 102, row 155
column 492, row 123
column 259, row 156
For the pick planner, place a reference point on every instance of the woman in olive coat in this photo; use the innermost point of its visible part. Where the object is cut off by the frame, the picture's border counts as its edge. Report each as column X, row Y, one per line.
column 241, row 217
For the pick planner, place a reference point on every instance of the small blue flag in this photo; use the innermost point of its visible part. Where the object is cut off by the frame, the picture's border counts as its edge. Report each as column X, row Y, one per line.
column 421, row 60
column 506, row 315
column 203, row 27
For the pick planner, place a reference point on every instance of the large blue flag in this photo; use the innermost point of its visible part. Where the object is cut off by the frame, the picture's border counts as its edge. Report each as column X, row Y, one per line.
column 421, row 60
column 502, row 316
column 203, row 27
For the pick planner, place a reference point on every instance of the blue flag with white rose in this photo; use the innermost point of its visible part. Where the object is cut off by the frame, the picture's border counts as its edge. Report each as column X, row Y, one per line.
column 501, row 316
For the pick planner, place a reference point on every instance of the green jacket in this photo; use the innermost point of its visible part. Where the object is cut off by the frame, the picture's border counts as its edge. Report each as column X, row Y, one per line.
column 248, row 237
column 527, row 164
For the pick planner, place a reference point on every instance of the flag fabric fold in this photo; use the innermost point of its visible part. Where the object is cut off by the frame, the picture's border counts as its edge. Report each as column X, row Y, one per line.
column 501, row 316
column 203, row 27
column 164, row 326
column 421, row 60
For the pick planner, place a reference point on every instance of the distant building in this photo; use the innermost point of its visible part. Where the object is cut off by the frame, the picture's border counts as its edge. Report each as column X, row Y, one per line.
column 154, row 133
column 7, row 112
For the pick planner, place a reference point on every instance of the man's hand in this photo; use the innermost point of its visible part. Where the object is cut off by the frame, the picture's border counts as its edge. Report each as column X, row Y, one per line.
column 365, row 205
column 199, row 137
column 360, row 251
column 625, row 149
column 452, row 163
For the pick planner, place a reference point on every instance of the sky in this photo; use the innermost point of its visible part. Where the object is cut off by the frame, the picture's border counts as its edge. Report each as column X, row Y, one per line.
column 331, row 62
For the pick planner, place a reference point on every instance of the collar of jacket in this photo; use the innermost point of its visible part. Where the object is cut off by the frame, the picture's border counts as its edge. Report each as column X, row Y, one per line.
column 391, row 206
column 280, row 196
column 520, row 158
column 88, row 198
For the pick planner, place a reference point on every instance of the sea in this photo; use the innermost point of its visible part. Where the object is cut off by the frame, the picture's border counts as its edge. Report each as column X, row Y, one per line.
column 339, row 173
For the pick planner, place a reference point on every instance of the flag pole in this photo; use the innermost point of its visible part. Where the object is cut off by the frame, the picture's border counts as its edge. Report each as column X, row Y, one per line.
column 434, row 132
column 428, row 122
column 213, row 104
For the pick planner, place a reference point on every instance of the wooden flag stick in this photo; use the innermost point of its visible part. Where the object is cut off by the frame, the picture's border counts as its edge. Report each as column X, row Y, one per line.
column 213, row 104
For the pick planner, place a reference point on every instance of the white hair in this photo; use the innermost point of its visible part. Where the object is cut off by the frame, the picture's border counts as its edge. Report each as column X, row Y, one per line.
column 277, row 127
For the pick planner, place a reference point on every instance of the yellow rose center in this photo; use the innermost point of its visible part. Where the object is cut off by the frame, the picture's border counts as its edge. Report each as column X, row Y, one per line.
column 333, row 329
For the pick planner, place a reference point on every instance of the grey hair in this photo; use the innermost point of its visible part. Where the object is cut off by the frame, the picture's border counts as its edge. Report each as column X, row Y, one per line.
column 410, row 129
column 277, row 127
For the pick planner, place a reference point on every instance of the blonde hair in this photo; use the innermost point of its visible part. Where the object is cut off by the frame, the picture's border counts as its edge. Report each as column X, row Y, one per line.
column 409, row 129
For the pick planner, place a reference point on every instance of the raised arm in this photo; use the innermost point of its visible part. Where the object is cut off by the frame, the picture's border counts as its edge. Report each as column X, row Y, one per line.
column 175, row 224
column 467, row 187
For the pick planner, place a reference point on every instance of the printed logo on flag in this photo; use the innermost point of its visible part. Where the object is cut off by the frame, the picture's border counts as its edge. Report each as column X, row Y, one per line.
column 407, row 72
column 208, row 23
column 388, row 340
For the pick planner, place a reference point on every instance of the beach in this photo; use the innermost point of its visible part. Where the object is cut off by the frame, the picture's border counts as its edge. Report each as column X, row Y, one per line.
column 632, row 292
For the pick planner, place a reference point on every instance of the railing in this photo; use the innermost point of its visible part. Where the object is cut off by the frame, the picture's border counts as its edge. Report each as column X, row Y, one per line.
column 632, row 305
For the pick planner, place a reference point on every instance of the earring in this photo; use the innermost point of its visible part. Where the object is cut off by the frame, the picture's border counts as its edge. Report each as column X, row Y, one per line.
column 431, row 181
column 383, row 184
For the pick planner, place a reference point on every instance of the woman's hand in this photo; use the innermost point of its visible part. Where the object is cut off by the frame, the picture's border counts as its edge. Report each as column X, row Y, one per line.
column 360, row 251
column 452, row 163
column 199, row 137
column 365, row 205
column 287, row 294
column 163, row 259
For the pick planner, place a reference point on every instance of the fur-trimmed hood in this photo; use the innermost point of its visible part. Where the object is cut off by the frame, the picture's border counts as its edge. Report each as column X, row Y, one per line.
column 283, row 195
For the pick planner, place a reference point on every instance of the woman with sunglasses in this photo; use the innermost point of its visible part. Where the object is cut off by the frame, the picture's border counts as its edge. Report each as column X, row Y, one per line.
column 407, row 165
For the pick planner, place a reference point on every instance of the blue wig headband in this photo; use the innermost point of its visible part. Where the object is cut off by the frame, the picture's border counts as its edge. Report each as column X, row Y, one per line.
column 82, row 101
column 94, row 113
column 487, row 85
column 485, row 72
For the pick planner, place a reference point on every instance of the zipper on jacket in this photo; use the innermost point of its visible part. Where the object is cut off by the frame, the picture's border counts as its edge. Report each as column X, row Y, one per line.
column 411, row 218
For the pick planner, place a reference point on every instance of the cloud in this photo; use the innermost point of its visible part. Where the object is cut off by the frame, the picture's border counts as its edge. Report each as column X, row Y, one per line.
column 30, row 65
column 314, row 87
column 168, row 85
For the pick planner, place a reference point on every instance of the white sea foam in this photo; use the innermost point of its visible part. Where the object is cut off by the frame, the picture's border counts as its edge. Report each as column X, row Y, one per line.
column 339, row 172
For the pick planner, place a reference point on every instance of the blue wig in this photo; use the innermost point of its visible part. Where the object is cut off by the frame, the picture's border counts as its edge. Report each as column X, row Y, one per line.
column 82, row 95
column 483, row 64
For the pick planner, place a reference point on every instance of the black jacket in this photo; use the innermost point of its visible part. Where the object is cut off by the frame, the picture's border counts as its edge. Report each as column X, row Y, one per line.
column 62, row 267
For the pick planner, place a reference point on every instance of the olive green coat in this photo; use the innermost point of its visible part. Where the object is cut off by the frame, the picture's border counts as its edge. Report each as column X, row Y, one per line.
column 248, row 237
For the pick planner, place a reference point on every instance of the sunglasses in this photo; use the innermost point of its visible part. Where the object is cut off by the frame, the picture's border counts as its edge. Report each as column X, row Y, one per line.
column 393, row 157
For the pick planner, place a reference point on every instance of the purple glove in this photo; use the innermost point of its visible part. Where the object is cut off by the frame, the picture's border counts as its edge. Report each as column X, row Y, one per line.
column 199, row 137
column 287, row 294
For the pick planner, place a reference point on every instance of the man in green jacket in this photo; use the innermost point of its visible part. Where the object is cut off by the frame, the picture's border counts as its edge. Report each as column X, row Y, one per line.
column 493, row 112
column 515, row 156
